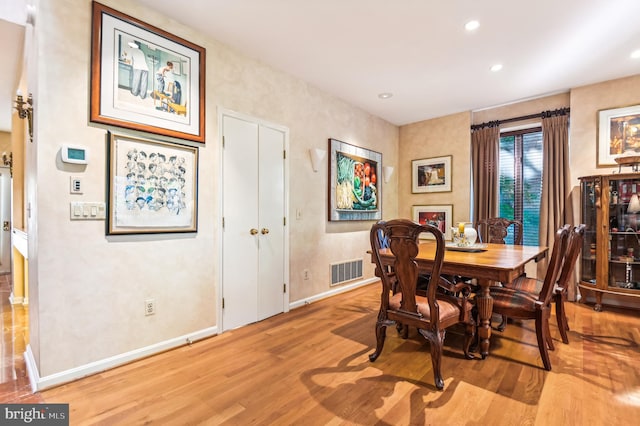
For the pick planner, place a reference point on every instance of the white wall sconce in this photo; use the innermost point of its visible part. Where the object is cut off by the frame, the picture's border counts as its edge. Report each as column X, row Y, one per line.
column 387, row 171
column 317, row 155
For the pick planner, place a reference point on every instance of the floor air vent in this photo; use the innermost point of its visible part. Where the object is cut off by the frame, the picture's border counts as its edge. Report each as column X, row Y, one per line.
column 346, row 271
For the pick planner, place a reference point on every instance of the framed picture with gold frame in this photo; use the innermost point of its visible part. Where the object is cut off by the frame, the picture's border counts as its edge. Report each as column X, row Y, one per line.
column 618, row 134
column 145, row 79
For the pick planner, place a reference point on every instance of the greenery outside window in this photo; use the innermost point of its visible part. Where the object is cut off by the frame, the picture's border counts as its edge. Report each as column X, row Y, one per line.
column 520, row 181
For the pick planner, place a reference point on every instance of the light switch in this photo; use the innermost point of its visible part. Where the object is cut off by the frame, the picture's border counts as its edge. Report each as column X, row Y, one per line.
column 88, row 210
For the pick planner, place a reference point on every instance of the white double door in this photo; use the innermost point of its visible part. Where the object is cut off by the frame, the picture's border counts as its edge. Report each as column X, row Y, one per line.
column 253, row 252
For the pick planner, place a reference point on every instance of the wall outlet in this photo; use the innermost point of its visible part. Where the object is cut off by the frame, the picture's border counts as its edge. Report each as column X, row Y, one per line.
column 149, row 307
column 306, row 275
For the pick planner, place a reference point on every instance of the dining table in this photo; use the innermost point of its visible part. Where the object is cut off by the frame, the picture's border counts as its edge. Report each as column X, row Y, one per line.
column 487, row 263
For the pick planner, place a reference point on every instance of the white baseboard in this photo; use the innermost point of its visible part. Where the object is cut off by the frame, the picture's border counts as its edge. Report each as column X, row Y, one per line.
column 16, row 300
column 332, row 292
column 40, row 383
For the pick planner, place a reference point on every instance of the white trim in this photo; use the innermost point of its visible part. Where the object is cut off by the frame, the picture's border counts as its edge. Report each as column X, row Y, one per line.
column 521, row 127
column 333, row 292
column 20, row 242
column 16, row 300
column 40, row 383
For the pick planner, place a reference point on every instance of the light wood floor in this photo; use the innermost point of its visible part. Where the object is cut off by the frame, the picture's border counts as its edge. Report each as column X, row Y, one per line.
column 310, row 367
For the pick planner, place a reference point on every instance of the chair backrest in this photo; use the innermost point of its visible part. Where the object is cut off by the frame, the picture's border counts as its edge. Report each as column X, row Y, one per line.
column 403, row 238
column 560, row 245
column 495, row 229
column 573, row 249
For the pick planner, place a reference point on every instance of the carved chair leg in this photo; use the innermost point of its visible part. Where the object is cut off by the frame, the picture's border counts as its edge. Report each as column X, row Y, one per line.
column 436, row 341
column 561, row 316
column 469, row 334
column 502, row 324
column 542, row 333
column 381, row 334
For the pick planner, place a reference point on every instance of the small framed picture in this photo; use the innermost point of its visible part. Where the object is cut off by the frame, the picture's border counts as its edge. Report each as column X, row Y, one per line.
column 439, row 216
column 152, row 187
column 431, row 174
column 618, row 134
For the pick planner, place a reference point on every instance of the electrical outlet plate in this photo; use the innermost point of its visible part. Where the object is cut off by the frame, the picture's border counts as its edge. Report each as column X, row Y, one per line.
column 149, row 307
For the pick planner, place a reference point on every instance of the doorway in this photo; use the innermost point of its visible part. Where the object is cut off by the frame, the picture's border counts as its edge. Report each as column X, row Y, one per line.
column 254, row 234
column 5, row 220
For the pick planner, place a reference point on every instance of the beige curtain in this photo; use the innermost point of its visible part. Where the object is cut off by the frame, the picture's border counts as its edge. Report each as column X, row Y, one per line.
column 485, row 151
column 555, row 180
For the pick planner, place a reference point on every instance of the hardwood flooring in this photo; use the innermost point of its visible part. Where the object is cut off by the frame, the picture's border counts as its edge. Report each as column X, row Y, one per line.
column 310, row 367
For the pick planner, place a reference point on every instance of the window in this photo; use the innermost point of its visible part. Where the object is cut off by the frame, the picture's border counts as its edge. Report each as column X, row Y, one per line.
column 520, row 181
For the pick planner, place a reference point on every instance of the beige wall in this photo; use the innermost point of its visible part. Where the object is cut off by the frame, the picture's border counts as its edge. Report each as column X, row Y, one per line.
column 436, row 138
column 91, row 288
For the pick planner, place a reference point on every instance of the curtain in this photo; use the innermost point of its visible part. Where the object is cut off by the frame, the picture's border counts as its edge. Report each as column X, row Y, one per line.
column 555, row 181
column 485, row 151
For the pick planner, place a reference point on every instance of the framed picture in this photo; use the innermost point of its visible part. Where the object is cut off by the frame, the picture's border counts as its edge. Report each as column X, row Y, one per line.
column 145, row 79
column 354, row 182
column 438, row 216
column 153, row 186
column 618, row 133
column 431, row 174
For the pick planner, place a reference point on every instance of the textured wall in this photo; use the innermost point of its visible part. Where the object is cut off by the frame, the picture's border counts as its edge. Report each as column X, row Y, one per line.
column 90, row 287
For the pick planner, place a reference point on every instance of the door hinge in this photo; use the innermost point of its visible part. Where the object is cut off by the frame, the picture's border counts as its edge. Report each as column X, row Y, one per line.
column 223, row 223
column 284, row 287
column 284, row 154
column 284, row 221
column 223, row 141
column 223, row 303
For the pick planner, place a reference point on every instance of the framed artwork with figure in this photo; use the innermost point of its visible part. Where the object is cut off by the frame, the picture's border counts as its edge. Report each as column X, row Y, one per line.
column 431, row 174
column 152, row 186
column 145, row 79
column 618, row 134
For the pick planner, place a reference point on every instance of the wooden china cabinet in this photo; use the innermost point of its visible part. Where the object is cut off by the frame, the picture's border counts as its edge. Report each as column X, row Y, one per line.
column 611, row 250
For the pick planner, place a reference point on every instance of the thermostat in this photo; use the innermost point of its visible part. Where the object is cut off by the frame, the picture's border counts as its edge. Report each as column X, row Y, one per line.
column 74, row 154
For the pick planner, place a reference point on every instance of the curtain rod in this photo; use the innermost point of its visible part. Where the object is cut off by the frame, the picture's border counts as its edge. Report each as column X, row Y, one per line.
column 543, row 114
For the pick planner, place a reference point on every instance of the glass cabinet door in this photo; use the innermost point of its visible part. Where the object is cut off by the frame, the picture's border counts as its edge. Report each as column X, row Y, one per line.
column 624, row 233
column 589, row 219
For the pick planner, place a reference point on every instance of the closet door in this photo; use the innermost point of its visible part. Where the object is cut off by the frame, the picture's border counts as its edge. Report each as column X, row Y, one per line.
column 253, row 213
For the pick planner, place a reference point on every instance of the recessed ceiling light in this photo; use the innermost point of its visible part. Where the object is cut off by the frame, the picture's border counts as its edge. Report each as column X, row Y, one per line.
column 635, row 54
column 471, row 25
column 496, row 67
column 385, row 95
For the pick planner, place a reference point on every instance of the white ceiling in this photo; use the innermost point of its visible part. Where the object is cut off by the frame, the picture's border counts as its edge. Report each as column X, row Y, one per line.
column 419, row 50
column 416, row 49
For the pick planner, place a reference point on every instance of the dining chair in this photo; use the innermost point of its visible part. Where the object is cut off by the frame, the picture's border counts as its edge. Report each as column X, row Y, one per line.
column 496, row 230
column 519, row 304
column 533, row 286
column 431, row 311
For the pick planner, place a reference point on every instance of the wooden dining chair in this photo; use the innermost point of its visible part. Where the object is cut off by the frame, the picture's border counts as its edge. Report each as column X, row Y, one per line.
column 495, row 230
column 533, row 286
column 430, row 312
column 519, row 304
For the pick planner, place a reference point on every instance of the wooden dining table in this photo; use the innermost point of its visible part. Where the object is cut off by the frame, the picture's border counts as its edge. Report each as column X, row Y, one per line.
column 498, row 263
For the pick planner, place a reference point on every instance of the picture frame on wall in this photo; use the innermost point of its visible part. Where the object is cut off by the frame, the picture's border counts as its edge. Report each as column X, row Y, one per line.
column 354, row 182
column 440, row 216
column 431, row 174
column 145, row 79
column 152, row 186
column 618, row 134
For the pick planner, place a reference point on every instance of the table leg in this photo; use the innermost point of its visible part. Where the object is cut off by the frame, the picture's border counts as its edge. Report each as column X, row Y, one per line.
column 484, row 303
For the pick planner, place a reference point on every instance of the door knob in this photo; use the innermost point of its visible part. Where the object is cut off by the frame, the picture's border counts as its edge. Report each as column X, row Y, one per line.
column 253, row 231
column 264, row 231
